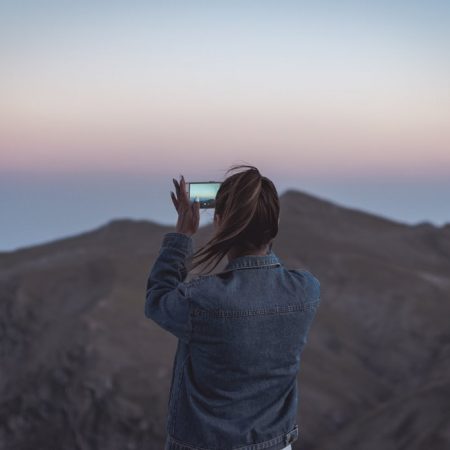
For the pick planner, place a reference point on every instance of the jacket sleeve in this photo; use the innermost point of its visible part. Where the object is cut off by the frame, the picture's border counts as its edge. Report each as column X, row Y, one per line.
column 167, row 298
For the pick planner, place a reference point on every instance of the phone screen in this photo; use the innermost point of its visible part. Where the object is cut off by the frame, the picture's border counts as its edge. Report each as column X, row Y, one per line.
column 205, row 191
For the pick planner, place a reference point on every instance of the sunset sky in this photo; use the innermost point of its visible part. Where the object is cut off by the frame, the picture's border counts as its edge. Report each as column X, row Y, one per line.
column 103, row 102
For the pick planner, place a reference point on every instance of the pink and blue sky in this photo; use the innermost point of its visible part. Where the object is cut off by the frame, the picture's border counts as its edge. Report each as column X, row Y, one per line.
column 103, row 102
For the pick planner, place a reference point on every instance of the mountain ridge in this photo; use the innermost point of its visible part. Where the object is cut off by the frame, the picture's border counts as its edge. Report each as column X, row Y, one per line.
column 290, row 195
column 84, row 368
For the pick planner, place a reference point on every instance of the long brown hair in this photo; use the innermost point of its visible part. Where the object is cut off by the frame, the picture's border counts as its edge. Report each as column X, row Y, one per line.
column 249, row 209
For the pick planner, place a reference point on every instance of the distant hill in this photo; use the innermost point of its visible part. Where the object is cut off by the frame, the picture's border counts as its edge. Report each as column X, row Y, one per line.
column 82, row 368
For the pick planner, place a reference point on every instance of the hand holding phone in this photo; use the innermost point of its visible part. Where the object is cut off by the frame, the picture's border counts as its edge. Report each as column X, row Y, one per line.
column 188, row 212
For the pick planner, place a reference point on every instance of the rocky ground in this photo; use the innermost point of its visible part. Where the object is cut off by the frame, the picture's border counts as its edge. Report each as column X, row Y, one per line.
column 82, row 368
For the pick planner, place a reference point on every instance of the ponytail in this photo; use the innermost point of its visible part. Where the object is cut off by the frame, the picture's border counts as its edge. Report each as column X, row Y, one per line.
column 248, row 206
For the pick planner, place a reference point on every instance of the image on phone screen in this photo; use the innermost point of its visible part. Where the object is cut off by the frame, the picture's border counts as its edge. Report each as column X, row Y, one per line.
column 205, row 191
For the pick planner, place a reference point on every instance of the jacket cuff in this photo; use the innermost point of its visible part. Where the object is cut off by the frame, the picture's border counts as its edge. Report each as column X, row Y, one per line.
column 181, row 241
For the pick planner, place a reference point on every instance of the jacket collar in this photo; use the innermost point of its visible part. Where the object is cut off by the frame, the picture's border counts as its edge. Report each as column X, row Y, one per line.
column 248, row 261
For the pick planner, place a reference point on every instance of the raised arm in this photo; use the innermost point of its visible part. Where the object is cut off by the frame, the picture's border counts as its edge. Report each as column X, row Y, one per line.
column 167, row 298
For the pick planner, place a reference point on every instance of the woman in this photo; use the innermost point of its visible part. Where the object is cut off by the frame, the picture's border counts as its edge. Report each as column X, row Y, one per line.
column 240, row 331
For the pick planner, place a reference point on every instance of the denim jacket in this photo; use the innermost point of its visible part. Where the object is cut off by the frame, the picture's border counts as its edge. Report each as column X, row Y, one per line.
column 240, row 336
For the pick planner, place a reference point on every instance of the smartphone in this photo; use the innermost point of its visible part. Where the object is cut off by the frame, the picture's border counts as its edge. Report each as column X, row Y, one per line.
column 206, row 191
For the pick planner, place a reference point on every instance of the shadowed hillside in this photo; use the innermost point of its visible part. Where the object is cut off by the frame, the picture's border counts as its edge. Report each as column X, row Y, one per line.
column 82, row 368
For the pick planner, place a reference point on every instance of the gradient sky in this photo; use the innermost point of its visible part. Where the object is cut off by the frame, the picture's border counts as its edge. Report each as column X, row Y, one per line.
column 103, row 102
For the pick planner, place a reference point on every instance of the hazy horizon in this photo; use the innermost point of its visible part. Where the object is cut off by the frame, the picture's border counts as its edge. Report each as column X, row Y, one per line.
column 44, row 209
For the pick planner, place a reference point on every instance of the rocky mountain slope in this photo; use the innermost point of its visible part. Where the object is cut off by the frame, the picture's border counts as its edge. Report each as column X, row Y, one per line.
column 82, row 368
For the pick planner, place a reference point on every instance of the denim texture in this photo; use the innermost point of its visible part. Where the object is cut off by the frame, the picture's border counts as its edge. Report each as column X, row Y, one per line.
column 240, row 335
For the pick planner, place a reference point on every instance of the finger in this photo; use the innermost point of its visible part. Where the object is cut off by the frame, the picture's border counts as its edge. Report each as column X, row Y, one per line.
column 184, row 194
column 196, row 210
column 177, row 186
column 174, row 200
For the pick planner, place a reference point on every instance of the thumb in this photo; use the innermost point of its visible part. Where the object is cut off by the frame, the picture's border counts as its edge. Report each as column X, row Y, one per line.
column 196, row 207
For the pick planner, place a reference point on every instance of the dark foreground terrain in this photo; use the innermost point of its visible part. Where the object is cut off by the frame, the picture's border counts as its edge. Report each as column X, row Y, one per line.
column 82, row 368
